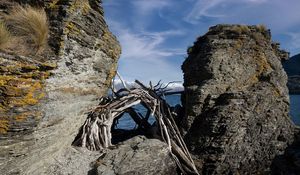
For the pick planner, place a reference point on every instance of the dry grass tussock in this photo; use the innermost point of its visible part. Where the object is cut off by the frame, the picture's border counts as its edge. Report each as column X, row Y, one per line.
column 29, row 27
column 5, row 36
column 261, row 28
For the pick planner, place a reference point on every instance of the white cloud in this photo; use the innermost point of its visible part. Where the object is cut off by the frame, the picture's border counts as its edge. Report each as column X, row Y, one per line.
column 295, row 40
column 215, row 8
column 146, row 44
column 145, row 56
column 143, row 45
column 202, row 8
column 144, row 7
column 277, row 14
column 148, row 55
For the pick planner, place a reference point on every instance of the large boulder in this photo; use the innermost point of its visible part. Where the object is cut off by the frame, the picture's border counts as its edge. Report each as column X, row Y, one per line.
column 236, row 100
column 44, row 100
column 138, row 156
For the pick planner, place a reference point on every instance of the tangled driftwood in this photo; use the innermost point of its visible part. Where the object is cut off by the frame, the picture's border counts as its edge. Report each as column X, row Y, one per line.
column 96, row 134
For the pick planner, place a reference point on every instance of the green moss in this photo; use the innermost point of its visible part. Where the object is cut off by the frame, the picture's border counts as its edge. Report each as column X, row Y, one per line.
column 190, row 49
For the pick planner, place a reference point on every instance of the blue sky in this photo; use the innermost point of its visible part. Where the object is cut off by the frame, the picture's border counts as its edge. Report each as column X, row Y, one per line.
column 154, row 34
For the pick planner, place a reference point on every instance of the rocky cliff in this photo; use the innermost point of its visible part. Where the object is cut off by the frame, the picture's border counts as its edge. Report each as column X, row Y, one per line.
column 236, row 100
column 44, row 100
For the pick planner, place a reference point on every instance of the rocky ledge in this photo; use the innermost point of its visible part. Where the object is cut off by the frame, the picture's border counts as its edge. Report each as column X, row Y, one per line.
column 236, row 100
column 139, row 156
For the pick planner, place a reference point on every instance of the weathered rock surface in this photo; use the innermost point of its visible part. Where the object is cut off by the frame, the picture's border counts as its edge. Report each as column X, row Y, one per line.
column 236, row 100
column 138, row 155
column 44, row 100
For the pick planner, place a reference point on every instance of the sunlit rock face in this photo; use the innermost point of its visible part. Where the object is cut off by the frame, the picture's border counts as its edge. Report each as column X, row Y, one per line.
column 236, row 100
column 44, row 100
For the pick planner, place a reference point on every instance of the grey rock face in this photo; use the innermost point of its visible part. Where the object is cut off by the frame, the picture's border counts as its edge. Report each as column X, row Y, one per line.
column 236, row 100
column 137, row 156
column 42, row 106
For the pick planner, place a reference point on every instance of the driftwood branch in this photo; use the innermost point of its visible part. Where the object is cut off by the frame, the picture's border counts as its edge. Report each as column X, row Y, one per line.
column 95, row 134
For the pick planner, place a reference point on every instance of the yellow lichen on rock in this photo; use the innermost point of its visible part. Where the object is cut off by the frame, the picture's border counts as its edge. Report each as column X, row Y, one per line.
column 81, row 5
column 110, row 75
column 70, row 27
column 109, row 47
column 22, row 88
column 52, row 4
column 4, row 124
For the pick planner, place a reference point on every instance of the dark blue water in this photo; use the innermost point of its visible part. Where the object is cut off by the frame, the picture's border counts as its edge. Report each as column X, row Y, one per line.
column 295, row 108
column 127, row 123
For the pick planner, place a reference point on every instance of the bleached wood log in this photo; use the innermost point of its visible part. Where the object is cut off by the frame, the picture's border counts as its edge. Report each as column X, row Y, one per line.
column 95, row 134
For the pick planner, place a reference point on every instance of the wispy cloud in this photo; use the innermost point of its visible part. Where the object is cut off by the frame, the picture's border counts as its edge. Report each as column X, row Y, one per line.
column 216, row 8
column 277, row 14
column 145, row 44
column 155, row 33
column 144, row 7
column 202, row 8
column 295, row 40
column 145, row 54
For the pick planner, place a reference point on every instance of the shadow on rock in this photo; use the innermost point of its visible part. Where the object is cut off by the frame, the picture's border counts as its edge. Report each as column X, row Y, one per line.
column 289, row 162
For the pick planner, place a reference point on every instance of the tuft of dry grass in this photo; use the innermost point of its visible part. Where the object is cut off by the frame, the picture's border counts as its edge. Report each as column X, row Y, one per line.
column 245, row 29
column 240, row 29
column 30, row 25
column 5, row 36
column 261, row 28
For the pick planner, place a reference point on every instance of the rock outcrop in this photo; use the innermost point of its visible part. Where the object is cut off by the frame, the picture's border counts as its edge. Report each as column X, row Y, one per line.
column 236, row 100
column 44, row 100
column 139, row 156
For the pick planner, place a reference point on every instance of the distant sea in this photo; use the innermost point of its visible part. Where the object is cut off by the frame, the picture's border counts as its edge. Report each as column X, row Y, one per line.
column 295, row 108
column 127, row 123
